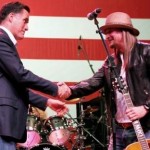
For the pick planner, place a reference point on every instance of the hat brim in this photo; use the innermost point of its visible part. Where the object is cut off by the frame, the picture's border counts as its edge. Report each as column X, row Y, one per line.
column 131, row 29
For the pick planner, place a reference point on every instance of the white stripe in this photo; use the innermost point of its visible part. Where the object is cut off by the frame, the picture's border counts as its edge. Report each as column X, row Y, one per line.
column 62, row 70
column 143, row 26
column 73, row 27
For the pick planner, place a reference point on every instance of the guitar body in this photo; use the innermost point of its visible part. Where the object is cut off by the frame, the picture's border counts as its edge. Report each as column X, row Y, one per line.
column 136, row 146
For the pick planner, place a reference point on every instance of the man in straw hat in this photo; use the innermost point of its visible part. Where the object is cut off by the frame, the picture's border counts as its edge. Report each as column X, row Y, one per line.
column 132, row 60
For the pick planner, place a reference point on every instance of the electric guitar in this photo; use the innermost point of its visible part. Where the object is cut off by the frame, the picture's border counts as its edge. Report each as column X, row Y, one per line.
column 142, row 143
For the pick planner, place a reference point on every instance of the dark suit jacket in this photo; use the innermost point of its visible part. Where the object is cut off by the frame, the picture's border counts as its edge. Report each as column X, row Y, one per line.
column 15, row 93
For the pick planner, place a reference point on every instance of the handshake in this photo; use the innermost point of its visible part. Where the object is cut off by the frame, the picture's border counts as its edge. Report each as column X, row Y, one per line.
column 63, row 90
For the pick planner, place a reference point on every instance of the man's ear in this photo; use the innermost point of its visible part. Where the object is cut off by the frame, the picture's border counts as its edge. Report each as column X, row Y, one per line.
column 11, row 16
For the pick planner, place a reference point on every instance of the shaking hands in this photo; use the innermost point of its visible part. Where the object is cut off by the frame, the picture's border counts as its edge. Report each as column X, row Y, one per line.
column 63, row 90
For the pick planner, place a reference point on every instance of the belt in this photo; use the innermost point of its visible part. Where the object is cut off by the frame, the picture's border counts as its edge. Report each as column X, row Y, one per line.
column 125, row 125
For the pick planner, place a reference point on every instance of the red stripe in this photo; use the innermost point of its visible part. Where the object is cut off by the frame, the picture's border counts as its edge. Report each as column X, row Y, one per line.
column 61, row 49
column 66, row 49
column 80, row 8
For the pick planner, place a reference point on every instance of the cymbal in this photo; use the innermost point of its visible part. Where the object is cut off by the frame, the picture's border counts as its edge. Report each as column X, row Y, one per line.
column 72, row 101
column 91, row 109
column 75, row 100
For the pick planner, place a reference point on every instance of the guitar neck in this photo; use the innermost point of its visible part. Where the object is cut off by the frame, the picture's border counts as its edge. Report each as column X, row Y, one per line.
column 140, row 134
column 136, row 124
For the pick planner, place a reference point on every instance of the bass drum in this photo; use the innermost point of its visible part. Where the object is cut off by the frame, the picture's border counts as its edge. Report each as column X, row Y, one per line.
column 45, row 146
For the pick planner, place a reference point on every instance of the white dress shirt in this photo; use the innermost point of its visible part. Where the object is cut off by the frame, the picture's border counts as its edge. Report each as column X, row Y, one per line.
column 121, row 116
column 11, row 36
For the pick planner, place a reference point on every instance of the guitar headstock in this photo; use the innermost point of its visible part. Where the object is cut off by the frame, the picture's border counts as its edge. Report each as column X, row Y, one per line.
column 120, row 84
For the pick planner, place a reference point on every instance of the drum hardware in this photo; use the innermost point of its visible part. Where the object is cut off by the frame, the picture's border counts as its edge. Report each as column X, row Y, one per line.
column 90, row 109
column 79, row 144
column 102, row 120
column 30, row 110
column 44, row 132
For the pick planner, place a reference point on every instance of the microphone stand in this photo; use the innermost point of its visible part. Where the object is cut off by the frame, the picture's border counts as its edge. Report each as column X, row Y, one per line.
column 86, row 56
column 81, row 47
column 113, row 73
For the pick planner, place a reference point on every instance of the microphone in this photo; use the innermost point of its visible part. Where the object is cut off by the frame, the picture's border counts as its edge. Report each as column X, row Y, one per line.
column 93, row 14
column 79, row 45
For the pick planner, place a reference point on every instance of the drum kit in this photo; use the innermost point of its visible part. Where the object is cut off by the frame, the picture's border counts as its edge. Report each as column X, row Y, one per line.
column 55, row 133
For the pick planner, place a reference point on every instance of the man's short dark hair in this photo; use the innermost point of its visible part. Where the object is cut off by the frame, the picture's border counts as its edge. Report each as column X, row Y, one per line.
column 14, row 7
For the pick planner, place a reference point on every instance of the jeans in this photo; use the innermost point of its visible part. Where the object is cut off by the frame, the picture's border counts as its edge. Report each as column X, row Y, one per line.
column 7, row 144
column 124, row 137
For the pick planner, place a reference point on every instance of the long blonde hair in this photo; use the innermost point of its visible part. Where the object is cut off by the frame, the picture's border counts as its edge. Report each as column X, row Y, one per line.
column 129, row 42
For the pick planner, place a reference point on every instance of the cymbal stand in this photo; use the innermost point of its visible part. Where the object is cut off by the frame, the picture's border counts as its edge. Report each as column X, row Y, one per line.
column 79, row 144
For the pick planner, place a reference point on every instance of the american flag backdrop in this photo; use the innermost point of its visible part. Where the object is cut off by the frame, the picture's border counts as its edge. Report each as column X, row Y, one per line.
column 50, row 48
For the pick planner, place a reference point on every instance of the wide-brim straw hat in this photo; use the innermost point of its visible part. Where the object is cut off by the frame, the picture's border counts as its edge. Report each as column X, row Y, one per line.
column 119, row 20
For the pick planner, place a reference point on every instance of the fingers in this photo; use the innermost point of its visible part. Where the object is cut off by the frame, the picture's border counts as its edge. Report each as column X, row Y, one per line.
column 63, row 90
column 136, row 112
column 62, row 112
column 58, row 106
column 60, row 83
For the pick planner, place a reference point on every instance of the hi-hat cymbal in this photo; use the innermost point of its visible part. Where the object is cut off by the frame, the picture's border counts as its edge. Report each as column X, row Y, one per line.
column 91, row 109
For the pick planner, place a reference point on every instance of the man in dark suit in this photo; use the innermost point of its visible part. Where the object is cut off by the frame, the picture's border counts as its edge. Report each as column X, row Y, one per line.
column 16, row 82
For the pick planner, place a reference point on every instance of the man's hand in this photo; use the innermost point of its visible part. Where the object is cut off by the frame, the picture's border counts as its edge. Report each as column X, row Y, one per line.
column 57, row 106
column 136, row 112
column 63, row 90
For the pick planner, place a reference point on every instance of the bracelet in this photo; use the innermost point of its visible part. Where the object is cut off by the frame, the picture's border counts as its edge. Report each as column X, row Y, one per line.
column 146, row 107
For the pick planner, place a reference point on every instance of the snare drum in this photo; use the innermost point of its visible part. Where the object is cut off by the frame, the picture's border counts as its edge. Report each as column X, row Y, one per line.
column 59, row 130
